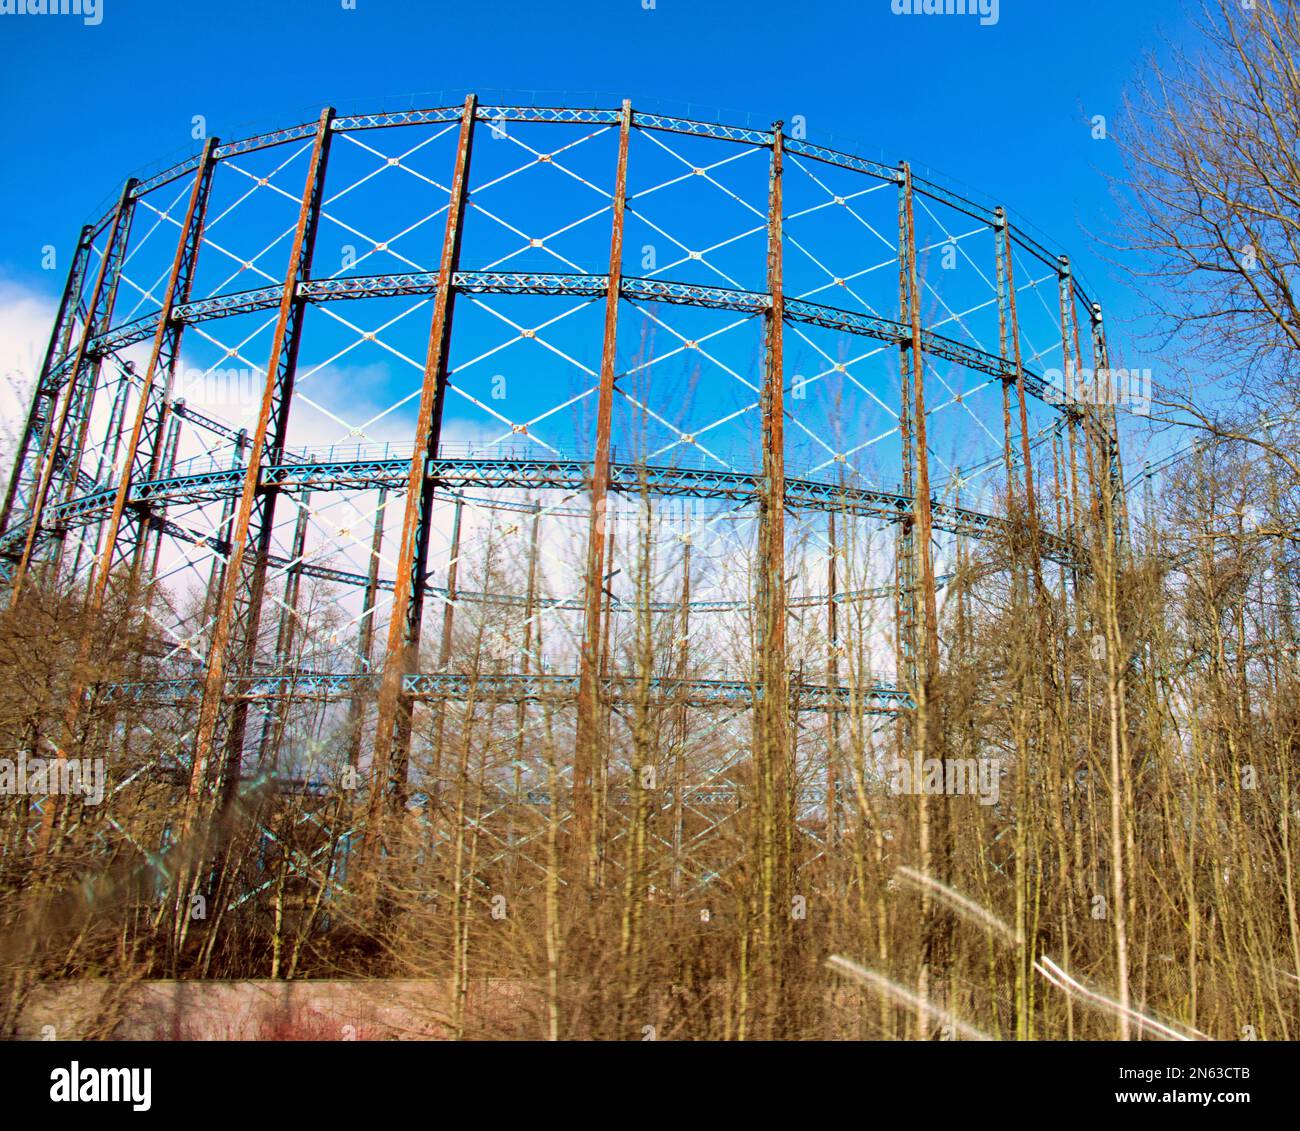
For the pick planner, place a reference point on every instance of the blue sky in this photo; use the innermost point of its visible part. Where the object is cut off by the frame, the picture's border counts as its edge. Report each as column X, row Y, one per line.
column 1002, row 109
column 1003, row 113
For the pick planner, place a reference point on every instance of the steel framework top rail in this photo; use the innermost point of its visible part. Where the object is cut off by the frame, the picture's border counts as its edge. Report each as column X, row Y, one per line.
column 665, row 123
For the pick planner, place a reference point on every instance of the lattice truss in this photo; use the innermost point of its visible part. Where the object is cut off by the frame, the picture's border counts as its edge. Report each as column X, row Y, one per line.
column 517, row 427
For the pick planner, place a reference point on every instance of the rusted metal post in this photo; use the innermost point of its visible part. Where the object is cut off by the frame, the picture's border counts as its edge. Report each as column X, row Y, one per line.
column 683, row 666
column 116, row 423
column 921, row 511
column 144, row 452
column 157, row 380
column 593, row 592
column 1108, row 427
column 444, row 645
column 171, row 450
column 83, row 409
column 774, row 824
column 53, row 807
column 393, row 722
column 832, row 679
column 453, row 574
column 771, row 571
column 217, row 570
column 1074, row 419
column 525, row 656
column 366, row 631
column 904, row 557
column 1070, row 361
column 1031, row 502
column 933, row 842
column 99, row 311
column 600, row 801
column 108, row 454
column 234, row 630
column 40, row 415
column 273, row 733
column 1061, row 502
column 1001, row 241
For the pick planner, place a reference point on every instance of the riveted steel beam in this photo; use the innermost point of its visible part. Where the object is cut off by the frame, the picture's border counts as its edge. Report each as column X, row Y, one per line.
column 771, row 609
column 871, row 697
column 366, row 628
column 235, row 622
column 40, row 415
column 922, row 517
column 81, row 371
column 593, row 587
column 393, row 723
column 1107, row 422
column 1031, row 501
column 100, row 571
column 143, row 455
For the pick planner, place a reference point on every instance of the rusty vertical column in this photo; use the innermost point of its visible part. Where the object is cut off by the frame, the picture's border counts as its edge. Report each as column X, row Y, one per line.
column 1070, row 361
column 79, row 423
column 904, row 557
column 1065, row 304
column 1152, row 540
column 147, row 428
column 774, row 826
column 771, row 568
column 965, row 611
column 1108, row 428
column 1064, row 522
column 1079, row 423
column 40, row 415
column 683, row 667
column 934, row 831
column 171, row 450
column 108, row 454
column 145, row 449
column 251, row 573
column 393, row 722
column 98, row 317
column 593, row 587
column 922, row 519
column 833, row 680
column 98, row 312
column 366, row 632
column 605, row 720
column 1031, row 502
column 444, row 644
column 217, row 570
column 453, row 574
column 525, row 659
column 273, row 732
column 116, row 423
column 1000, row 242
column 235, row 625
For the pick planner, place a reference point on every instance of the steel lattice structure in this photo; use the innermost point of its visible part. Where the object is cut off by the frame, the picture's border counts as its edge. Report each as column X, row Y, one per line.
column 284, row 392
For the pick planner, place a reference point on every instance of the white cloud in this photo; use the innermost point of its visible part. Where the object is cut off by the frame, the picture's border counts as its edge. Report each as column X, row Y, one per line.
column 25, row 320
